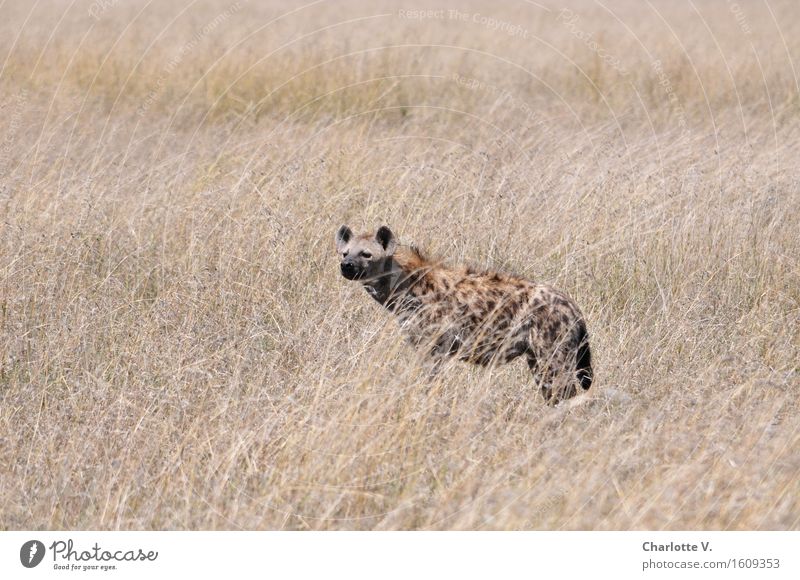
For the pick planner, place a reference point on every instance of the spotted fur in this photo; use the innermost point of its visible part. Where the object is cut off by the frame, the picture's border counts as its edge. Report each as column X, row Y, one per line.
column 480, row 317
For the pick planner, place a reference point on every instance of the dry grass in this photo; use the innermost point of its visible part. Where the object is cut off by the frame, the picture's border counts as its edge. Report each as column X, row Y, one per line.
column 177, row 349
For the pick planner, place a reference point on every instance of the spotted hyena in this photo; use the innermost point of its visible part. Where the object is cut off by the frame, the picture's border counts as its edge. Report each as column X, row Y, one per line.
column 480, row 317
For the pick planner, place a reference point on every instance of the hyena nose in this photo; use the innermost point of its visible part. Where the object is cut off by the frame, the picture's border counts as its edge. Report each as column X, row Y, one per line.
column 348, row 270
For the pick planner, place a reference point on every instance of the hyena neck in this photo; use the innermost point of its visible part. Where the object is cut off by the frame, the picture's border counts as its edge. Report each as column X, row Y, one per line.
column 402, row 281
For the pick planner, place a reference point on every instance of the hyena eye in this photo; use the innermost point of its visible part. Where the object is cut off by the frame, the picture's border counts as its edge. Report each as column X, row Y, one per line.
column 366, row 255
column 344, row 254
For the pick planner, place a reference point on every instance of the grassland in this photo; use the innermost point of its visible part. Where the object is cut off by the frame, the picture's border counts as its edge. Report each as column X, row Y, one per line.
column 178, row 351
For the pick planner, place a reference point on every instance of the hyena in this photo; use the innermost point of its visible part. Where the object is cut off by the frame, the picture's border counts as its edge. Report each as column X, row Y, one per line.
column 480, row 317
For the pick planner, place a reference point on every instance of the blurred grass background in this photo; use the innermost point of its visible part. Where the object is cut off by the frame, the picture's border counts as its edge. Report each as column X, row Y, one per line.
column 177, row 349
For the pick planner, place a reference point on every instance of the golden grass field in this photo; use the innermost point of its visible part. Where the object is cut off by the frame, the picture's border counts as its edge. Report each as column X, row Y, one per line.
column 179, row 351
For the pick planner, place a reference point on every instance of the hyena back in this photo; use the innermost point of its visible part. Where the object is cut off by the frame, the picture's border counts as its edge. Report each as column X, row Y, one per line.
column 479, row 317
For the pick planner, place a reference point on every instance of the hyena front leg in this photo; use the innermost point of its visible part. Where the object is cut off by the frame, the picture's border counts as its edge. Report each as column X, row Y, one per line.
column 544, row 386
column 442, row 347
column 432, row 361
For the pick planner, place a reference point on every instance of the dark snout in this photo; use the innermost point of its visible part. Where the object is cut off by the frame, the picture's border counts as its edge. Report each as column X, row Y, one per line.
column 351, row 271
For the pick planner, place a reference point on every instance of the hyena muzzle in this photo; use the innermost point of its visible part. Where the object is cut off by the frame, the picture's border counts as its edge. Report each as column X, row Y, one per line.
column 479, row 317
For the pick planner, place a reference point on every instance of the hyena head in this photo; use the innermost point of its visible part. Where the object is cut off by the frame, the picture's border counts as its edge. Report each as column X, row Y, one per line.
column 367, row 256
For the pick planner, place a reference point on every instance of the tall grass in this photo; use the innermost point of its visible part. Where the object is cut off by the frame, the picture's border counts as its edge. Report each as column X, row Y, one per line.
column 177, row 349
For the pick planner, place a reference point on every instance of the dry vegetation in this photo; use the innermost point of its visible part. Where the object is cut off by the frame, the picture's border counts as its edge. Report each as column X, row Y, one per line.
column 177, row 349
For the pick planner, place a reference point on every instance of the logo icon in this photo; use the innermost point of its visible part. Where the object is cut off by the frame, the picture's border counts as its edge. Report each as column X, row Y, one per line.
column 31, row 553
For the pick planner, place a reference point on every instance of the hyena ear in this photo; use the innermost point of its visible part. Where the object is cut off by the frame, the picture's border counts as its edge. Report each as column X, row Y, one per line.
column 343, row 236
column 385, row 238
